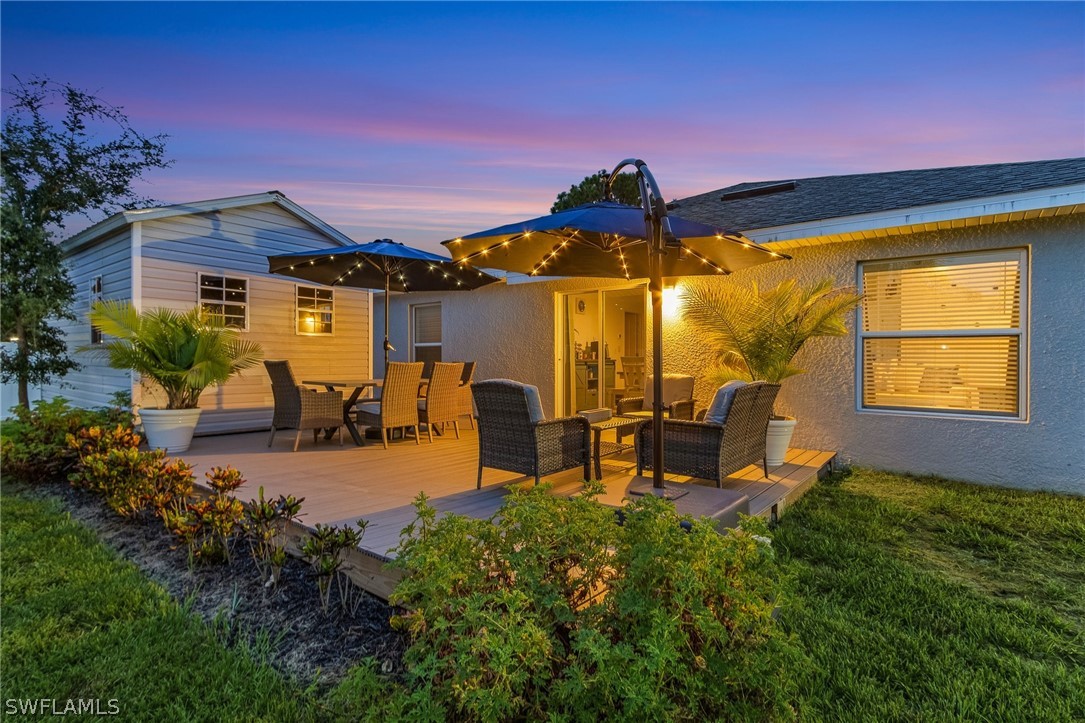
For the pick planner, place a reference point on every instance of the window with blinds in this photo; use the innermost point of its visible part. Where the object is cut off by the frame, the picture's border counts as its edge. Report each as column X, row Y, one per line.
column 226, row 299
column 315, row 310
column 945, row 333
column 426, row 334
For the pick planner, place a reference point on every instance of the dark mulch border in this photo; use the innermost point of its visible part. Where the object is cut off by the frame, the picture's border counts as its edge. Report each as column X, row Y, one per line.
column 307, row 645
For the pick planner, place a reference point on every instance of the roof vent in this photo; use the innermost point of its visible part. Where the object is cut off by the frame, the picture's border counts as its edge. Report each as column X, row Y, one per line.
column 759, row 191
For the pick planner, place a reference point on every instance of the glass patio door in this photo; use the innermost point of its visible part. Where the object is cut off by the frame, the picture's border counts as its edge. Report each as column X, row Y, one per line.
column 602, row 357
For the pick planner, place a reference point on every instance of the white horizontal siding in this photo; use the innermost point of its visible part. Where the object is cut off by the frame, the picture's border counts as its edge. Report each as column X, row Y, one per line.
column 240, row 239
column 237, row 242
column 95, row 383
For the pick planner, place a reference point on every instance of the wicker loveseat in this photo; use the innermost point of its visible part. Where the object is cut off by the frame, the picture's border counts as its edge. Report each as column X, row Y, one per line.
column 514, row 435
column 710, row 450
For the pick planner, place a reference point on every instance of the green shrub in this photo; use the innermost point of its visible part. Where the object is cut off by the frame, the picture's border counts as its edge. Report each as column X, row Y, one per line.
column 35, row 447
column 130, row 480
column 325, row 549
column 265, row 527
column 89, row 443
column 554, row 609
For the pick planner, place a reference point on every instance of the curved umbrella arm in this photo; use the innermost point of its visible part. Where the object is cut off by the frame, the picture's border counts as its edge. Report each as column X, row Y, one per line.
column 658, row 231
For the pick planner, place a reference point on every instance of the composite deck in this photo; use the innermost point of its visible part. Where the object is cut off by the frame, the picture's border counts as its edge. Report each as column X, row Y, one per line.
column 343, row 484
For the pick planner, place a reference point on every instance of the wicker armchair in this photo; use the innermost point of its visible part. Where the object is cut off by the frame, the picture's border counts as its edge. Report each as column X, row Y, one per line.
column 441, row 403
column 464, row 403
column 514, row 435
column 398, row 405
column 298, row 407
column 713, row 451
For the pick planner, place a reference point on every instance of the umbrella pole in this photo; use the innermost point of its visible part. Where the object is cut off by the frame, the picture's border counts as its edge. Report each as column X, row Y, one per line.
column 387, row 305
column 658, row 229
column 655, row 287
column 653, row 223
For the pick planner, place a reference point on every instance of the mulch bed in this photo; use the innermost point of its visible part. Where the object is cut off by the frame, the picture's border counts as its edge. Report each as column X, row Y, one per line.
column 308, row 645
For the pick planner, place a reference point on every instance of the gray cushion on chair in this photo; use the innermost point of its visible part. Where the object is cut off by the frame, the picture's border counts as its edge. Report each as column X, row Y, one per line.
column 721, row 403
column 534, row 401
column 373, row 408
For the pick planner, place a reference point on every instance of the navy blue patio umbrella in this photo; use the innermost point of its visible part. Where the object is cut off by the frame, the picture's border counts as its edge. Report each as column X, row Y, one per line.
column 382, row 264
column 611, row 240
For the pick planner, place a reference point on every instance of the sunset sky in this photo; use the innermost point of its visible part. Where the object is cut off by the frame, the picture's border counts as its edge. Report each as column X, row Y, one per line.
column 421, row 122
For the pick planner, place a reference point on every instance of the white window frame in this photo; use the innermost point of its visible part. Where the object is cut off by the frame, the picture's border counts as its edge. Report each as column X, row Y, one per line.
column 428, row 344
column 298, row 310
column 1022, row 335
column 248, row 288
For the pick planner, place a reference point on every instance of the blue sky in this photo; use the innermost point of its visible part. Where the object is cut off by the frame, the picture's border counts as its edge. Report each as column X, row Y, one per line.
column 424, row 121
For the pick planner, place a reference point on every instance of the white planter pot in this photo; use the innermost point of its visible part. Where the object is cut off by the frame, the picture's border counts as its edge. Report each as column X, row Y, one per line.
column 169, row 429
column 778, row 439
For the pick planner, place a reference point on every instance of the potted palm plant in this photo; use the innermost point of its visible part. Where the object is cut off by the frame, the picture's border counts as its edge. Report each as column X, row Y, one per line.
column 182, row 352
column 757, row 333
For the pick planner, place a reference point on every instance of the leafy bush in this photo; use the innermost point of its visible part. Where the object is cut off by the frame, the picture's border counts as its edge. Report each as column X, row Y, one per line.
column 91, row 442
column 35, row 447
column 553, row 609
column 265, row 526
column 325, row 548
column 207, row 526
column 111, row 464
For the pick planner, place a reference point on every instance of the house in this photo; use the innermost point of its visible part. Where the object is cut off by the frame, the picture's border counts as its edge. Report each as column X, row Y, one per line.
column 965, row 361
column 214, row 253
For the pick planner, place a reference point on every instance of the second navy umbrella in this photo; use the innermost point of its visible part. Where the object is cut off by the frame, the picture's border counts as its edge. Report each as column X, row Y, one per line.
column 382, row 264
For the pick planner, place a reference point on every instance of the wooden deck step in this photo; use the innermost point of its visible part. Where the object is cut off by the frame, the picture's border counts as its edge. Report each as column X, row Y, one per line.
column 343, row 484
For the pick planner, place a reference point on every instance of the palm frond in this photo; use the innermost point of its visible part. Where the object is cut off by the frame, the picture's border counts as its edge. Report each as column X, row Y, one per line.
column 182, row 352
column 756, row 333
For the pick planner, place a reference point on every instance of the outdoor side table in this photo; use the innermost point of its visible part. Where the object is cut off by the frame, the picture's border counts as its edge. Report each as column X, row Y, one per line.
column 601, row 448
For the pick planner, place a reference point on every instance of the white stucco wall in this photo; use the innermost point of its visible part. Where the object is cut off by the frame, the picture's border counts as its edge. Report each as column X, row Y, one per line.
column 509, row 331
column 1045, row 452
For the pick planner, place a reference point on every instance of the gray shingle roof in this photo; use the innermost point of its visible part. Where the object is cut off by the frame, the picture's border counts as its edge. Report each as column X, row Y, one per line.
column 826, row 197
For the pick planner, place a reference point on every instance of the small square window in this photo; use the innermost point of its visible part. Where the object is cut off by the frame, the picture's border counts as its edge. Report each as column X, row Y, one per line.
column 226, row 298
column 315, row 310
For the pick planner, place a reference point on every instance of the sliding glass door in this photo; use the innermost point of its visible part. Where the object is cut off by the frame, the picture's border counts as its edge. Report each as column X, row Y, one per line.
column 602, row 354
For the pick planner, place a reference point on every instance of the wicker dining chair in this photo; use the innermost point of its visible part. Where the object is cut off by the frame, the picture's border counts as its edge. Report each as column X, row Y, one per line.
column 398, row 403
column 710, row 450
column 464, row 402
column 514, row 435
column 299, row 407
column 633, row 375
column 441, row 403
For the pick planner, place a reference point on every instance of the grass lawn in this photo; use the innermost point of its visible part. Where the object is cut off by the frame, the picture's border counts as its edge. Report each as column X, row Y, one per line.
column 78, row 623
column 921, row 599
